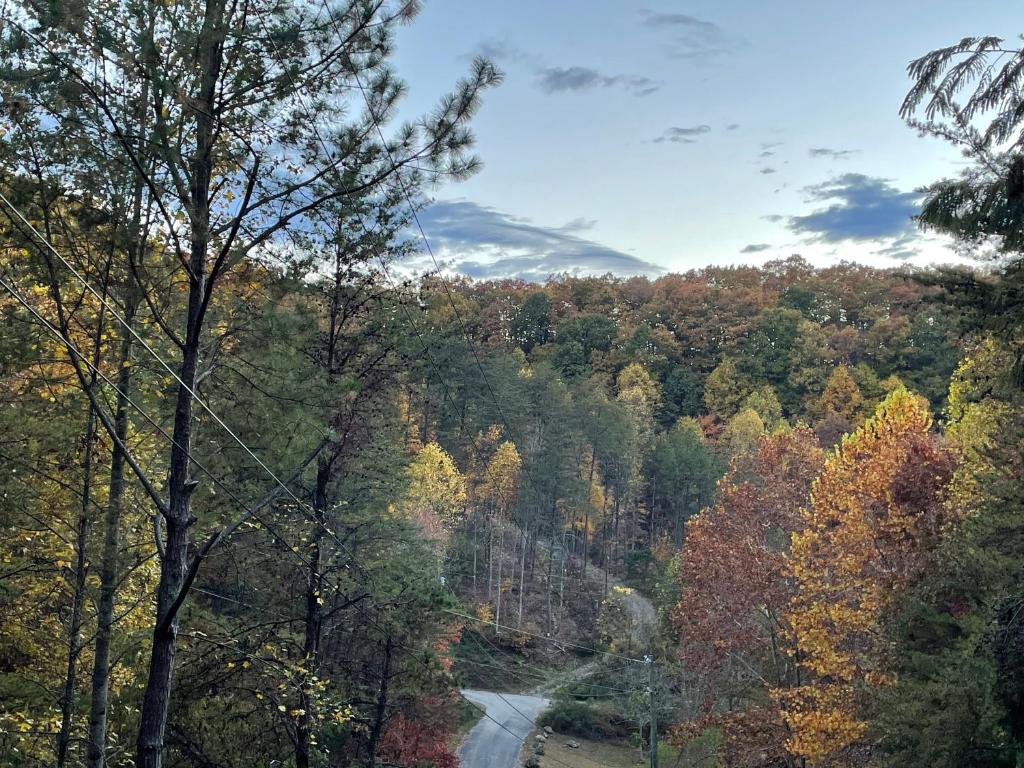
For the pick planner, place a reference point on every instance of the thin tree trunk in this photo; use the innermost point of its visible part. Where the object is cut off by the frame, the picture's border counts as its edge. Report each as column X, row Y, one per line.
column 547, row 582
column 522, row 573
column 75, row 645
column 382, row 702
column 501, row 552
column 96, row 748
column 314, row 617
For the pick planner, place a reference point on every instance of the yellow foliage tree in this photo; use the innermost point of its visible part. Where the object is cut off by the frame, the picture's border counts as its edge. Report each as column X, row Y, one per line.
column 842, row 395
column 498, row 489
column 436, row 495
column 875, row 515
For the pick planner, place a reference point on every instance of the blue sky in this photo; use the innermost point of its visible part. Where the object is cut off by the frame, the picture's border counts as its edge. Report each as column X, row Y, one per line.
column 644, row 137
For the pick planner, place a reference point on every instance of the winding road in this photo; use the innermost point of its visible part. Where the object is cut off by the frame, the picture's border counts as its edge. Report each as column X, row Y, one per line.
column 490, row 745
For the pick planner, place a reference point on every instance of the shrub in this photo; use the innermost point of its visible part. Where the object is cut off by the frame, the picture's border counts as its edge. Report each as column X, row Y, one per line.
column 587, row 721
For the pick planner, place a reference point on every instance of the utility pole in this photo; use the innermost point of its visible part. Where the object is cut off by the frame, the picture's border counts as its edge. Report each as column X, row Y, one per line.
column 649, row 660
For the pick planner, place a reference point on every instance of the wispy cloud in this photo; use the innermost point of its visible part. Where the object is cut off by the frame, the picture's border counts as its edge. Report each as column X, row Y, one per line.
column 902, row 248
column 755, row 248
column 690, row 37
column 732, row 127
column 767, row 171
column 832, row 154
column 577, row 78
column 484, row 243
column 499, row 49
column 679, row 134
column 865, row 208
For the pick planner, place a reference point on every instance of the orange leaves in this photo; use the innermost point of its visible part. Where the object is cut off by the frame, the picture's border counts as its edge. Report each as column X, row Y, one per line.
column 875, row 515
column 730, row 616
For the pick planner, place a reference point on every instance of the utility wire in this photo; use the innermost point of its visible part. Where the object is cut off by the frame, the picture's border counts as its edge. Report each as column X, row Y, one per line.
column 546, row 638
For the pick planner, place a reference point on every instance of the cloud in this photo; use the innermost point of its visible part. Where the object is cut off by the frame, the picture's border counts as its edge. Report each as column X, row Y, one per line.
column 755, row 248
column 578, row 224
column 691, row 37
column 901, row 248
column 766, row 171
column 732, row 126
column 683, row 134
column 832, row 154
column 867, row 208
column 576, row 78
column 498, row 49
column 485, row 243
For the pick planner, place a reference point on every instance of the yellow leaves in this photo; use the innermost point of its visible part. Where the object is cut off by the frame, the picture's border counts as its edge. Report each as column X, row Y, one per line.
column 500, row 482
column 872, row 514
column 436, row 496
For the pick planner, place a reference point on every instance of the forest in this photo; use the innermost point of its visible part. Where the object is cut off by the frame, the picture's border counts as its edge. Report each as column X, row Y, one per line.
column 270, row 498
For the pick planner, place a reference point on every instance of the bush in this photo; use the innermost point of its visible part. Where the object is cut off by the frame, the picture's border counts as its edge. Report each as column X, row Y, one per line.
column 587, row 721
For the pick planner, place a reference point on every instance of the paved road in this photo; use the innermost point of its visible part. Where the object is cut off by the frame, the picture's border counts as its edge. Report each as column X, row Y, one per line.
column 489, row 745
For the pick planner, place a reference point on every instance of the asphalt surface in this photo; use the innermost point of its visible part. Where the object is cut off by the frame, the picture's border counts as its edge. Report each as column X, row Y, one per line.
column 490, row 745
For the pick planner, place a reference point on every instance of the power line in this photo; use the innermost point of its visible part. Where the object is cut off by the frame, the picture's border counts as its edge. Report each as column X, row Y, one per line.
column 249, row 510
column 546, row 638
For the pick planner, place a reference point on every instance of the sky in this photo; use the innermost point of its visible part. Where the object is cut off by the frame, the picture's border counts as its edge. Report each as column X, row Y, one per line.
column 647, row 137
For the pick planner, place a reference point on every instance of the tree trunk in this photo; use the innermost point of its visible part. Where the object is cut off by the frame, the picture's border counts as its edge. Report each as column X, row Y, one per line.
column 522, row 574
column 547, row 582
column 180, row 486
column 97, row 740
column 314, row 617
column 501, row 552
column 382, row 702
column 67, row 699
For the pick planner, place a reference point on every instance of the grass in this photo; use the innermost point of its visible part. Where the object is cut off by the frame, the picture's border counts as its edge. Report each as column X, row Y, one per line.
column 480, row 665
column 591, row 754
column 468, row 716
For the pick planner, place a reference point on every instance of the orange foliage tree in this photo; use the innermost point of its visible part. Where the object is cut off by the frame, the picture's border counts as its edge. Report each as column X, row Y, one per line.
column 731, row 613
column 876, row 514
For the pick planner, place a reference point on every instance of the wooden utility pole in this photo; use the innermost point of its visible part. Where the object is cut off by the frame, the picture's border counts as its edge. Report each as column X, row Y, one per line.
column 649, row 660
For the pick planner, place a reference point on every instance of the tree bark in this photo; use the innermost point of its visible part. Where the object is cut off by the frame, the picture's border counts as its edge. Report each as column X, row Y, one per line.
column 314, row 617
column 501, row 552
column 75, row 645
column 173, row 566
column 522, row 574
column 382, row 702
column 97, row 739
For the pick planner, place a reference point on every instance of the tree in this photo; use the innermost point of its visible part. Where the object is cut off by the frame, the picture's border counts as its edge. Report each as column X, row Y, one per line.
column 498, row 489
column 765, row 403
column 960, row 86
column 681, row 394
column 725, row 389
column 436, row 496
column 532, row 321
column 682, row 473
column 876, row 516
column 742, row 432
column 731, row 614
column 841, row 396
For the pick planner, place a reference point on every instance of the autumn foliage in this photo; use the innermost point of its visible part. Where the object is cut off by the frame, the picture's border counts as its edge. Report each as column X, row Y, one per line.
column 731, row 614
column 411, row 743
column 876, row 515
